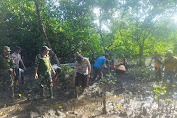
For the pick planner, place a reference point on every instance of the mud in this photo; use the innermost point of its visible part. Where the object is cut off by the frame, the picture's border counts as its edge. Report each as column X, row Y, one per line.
column 115, row 96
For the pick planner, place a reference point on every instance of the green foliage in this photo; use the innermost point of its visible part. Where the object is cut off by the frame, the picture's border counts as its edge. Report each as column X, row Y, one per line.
column 66, row 70
column 142, row 72
column 109, row 79
column 159, row 91
column 134, row 28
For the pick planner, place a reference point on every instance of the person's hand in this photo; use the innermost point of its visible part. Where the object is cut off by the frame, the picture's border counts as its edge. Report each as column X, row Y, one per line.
column 14, row 74
column 24, row 68
column 55, row 79
column 36, row 76
column 105, row 66
column 53, row 72
column 50, row 80
column 88, row 76
column 73, row 81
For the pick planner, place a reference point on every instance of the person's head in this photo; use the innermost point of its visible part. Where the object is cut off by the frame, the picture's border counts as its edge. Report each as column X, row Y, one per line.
column 106, row 56
column 169, row 53
column 17, row 49
column 6, row 50
column 45, row 50
column 93, row 52
column 79, row 58
column 58, row 70
column 122, row 55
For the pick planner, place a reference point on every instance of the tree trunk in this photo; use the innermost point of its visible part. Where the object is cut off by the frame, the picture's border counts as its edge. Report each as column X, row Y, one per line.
column 141, row 60
column 100, row 21
column 54, row 56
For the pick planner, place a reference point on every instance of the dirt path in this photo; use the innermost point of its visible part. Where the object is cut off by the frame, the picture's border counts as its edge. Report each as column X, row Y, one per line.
column 117, row 95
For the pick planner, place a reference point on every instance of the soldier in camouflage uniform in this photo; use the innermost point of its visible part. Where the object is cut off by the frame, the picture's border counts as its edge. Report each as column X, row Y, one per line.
column 43, row 69
column 7, row 71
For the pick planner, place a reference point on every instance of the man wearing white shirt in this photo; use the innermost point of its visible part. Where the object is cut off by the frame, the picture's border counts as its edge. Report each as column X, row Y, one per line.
column 17, row 59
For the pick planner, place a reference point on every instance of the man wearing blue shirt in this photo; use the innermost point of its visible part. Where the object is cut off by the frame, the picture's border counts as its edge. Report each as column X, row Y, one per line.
column 100, row 62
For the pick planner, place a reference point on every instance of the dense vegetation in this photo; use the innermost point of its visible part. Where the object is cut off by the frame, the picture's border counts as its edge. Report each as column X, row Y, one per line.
column 136, row 28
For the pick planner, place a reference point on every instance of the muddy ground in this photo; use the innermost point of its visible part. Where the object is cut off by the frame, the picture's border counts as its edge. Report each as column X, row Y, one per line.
column 115, row 96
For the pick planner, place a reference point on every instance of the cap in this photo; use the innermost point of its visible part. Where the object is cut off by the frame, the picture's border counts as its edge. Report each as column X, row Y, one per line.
column 17, row 48
column 6, row 48
column 45, row 48
column 169, row 52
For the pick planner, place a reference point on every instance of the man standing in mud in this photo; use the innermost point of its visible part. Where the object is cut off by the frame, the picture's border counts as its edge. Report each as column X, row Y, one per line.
column 17, row 58
column 100, row 62
column 170, row 65
column 81, row 74
column 43, row 70
column 92, row 60
column 7, row 71
column 158, row 62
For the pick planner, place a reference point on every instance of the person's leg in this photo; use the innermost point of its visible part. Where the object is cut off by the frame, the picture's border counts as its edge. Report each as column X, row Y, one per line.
column 156, row 72
column 12, row 87
column 165, row 77
column 16, row 77
column 95, row 73
column 49, row 83
column 77, row 89
column 22, row 78
column 78, row 81
column 42, row 85
column 84, row 82
column 172, row 77
column 160, row 73
column 99, row 73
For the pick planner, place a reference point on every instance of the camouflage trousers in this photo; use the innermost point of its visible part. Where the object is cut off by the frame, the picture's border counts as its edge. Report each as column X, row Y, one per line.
column 45, row 81
column 6, row 82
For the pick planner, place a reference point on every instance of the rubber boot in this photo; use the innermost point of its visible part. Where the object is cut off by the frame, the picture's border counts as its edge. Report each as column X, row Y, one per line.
column 12, row 89
column 51, row 92
column 43, row 92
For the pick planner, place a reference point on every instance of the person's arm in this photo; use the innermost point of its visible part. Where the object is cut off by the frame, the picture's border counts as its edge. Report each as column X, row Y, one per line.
column 163, row 64
column 74, row 75
column 53, row 71
column 36, row 67
column 35, row 73
column 89, row 67
column 89, row 71
column 151, row 60
column 12, row 69
column 23, row 64
column 104, row 66
column 104, row 63
column 56, row 77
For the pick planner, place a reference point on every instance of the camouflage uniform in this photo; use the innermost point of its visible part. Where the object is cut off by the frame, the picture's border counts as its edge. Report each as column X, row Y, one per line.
column 44, row 71
column 6, row 73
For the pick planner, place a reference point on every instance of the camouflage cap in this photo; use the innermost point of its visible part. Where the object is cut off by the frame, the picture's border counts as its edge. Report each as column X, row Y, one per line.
column 6, row 48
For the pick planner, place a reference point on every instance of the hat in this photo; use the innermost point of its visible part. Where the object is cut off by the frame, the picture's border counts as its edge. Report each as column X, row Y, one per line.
column 45, row 48
column 17, row 48
column 6, row 48
column 169, row 52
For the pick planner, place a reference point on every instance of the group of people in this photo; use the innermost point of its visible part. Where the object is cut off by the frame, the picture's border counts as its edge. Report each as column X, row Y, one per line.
column 10, row 74
column 10, row 71
column 169, row 64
